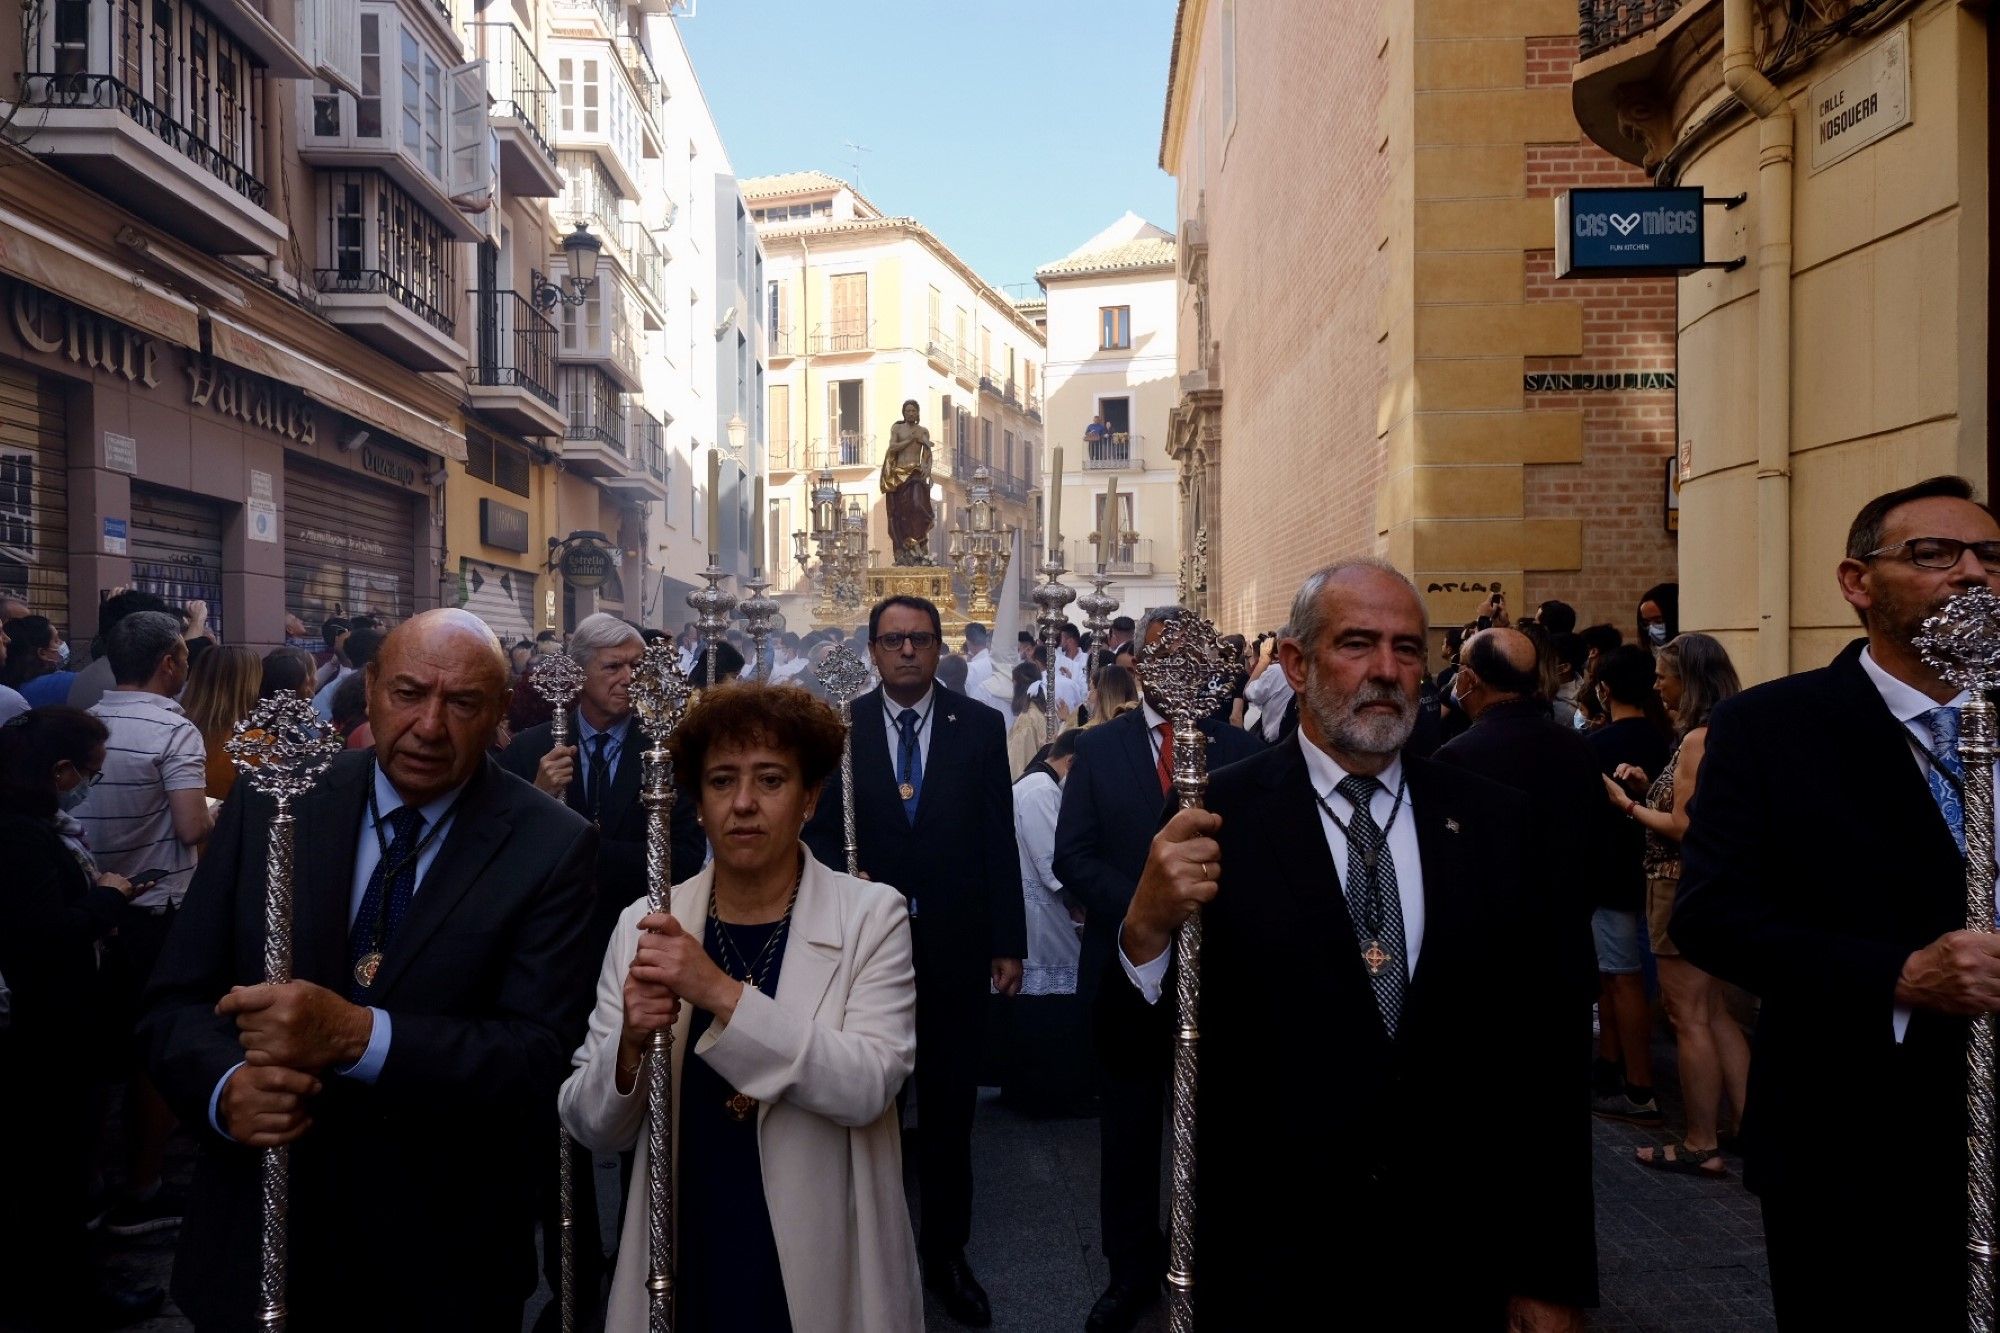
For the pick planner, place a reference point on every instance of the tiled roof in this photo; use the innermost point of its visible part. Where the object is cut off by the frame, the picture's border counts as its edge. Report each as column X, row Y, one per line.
column 791, row 182
column 1145, row 253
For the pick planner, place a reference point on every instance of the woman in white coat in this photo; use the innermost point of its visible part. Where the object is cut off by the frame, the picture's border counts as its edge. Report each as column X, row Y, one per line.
column 794, row 1027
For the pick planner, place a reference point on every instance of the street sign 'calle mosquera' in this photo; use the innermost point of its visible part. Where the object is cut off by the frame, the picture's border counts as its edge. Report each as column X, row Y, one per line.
column 1636, row 231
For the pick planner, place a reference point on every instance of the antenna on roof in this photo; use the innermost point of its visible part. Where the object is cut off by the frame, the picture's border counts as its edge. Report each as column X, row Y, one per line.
column 854, row 162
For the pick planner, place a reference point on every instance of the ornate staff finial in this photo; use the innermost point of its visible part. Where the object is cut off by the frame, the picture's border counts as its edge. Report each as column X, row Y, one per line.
column 842, row 674
column 558, row 679
column 659, row 691
column 1186, row 672
column 1963, row 640
column 282, row 746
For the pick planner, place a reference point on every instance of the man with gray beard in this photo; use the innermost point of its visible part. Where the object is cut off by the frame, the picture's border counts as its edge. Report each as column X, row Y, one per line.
column 1367, row 994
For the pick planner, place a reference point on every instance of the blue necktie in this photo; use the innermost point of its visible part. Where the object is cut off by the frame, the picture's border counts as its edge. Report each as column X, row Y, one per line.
column 909, row 763
column 406, row 822
column 1947, row 791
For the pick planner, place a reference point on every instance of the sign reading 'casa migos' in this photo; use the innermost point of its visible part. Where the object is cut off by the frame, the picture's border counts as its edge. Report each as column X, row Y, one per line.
column 1641, row 231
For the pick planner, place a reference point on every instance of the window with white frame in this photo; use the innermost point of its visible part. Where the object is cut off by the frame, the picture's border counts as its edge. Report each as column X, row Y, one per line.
column 423, row 106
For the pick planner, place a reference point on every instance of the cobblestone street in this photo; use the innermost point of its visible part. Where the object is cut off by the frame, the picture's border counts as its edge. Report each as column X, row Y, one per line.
column 1675, row 1254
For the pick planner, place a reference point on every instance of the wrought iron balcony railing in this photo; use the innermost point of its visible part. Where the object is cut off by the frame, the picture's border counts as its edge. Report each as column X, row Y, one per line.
column 843, row 335
column 595, row 408
column 228, row 162
column 377, row 240
column 1117, row 450
column 517, row 345
column 1603, row 24
column 521, row 89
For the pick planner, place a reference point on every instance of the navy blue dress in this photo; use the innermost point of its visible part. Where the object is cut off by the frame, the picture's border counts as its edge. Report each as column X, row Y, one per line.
column 729, row 1275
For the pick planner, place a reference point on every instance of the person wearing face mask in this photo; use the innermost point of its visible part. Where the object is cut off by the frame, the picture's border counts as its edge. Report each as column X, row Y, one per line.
column 11, row 703
column 1660, row 615
column 34, row 663
column 56, row 912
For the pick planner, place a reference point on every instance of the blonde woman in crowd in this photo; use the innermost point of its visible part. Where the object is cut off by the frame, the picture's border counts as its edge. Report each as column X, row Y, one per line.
column 223, row 685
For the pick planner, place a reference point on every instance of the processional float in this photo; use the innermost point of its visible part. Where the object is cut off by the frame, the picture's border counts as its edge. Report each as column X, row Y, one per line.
column 280, row 748
column 1187, row 675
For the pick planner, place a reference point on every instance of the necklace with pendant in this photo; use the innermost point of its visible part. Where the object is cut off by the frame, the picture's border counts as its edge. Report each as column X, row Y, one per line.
column 741, row 1105
column 1375, row 955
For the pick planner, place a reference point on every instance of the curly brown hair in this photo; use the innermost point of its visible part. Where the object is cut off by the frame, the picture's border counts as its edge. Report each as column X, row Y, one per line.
column 738, row 713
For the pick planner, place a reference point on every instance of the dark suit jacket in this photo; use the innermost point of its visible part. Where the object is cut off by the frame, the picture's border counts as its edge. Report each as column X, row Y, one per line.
column 1111, row 808
column 51, row 919
column 1573, row 838
column 958, row 860
column 422, row 1184
column 1335, row 1164
column 621, row 835
column 1815, row 863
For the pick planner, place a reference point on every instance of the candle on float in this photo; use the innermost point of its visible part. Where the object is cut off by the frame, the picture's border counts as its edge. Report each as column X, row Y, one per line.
column 714, row 506
column 1055, row 501
column 757, row 530
column 1108, row 536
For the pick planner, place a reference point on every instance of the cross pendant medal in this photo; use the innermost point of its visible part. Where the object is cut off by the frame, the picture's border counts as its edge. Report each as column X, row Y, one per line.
column 906, row 791
column 365, row 970
column 740, row 1105
column 1375, row 957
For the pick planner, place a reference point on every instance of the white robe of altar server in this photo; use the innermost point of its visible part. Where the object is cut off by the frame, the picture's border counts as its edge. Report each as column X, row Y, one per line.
column 824, row 1058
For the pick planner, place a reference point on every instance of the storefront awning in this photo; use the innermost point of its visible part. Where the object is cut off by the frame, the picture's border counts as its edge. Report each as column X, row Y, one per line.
column 251, row 350
column 36, row 257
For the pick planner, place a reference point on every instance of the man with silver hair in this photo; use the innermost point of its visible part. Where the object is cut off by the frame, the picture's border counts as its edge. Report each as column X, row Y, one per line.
column 1370, row 986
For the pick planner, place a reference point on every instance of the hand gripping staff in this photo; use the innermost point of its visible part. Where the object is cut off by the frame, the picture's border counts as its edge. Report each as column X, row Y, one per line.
column 1963, row 642
column 281, row 747
column 659, row 697
column 1187, row 676
column 845, row 679
column 558, row 679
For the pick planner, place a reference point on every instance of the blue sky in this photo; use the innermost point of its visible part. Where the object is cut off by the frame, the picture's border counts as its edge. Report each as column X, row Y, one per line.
column 1014, row 130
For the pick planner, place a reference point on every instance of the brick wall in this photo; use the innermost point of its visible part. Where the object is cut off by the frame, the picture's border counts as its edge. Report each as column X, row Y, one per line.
column 1293, row 216
column 1628, row 325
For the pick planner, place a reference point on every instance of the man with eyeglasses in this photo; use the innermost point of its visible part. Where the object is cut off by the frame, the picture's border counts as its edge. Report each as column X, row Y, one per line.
column 1824, row 871
column 934, row 816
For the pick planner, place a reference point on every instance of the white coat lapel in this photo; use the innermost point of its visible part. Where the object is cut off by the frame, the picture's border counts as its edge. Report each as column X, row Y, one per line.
column 813, row 954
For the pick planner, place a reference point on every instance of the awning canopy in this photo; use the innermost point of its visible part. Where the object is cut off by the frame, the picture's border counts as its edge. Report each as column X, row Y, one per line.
column 28, row 253
column 251, row 350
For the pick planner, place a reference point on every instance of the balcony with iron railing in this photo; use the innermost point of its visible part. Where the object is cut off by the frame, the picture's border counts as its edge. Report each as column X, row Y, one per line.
column 962, row 367
column 647, row 263
column 940, row 351
column 645, row 79
column 1010, row 392
column 782, row 341
column 645, row 437
column 1031, row 403
column 106, row 99
column 388, row 270
column 1115, row 452
column 851, row 448
column 836, row 336
column 513, row 378
column 990, row 382
column 594, row 436
column 1010, row 485
column 1603, row 24
column 1133, row 558
column 523, row 111
column 603, row 13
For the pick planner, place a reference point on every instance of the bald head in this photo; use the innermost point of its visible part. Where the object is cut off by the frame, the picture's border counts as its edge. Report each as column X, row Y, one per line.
column 1496, row 665
column 436, row 691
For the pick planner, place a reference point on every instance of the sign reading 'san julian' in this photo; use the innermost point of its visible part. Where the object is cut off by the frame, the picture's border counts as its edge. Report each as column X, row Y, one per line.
column 1636, row 231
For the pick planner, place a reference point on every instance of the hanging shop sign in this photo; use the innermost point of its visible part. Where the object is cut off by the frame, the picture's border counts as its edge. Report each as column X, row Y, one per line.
column 1628, row 231
column 502, row 526
column 250, row 398
column 586, row 563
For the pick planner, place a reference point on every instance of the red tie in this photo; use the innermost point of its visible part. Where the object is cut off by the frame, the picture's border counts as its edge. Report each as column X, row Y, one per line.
column 1166, row 730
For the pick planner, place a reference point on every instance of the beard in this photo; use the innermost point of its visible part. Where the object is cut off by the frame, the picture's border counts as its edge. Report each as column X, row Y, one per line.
column 1347, row 728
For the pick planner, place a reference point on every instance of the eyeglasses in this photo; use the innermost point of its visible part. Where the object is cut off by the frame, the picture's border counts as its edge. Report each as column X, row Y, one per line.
column 1940, row 552
column 922, row 641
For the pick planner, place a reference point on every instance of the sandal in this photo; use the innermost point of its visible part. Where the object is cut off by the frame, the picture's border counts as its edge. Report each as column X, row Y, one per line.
column 1681, row 1160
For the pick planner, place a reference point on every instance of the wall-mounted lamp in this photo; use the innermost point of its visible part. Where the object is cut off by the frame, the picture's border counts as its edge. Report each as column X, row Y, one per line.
column 580, row 251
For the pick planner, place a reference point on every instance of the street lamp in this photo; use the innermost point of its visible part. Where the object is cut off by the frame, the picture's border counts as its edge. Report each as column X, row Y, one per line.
column 738, row 431
column 580, row 250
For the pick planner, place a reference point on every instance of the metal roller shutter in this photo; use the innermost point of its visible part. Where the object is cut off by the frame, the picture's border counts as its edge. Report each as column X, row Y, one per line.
column 503, row 598
column 349, row 546
column 34, row 495
column 177, row 551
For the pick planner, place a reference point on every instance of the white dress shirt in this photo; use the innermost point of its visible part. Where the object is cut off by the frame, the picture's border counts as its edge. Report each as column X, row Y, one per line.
column 1404, row 855
column 978, row 670
column 891, row 710
column 1908, row 704
column 1271, row 692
